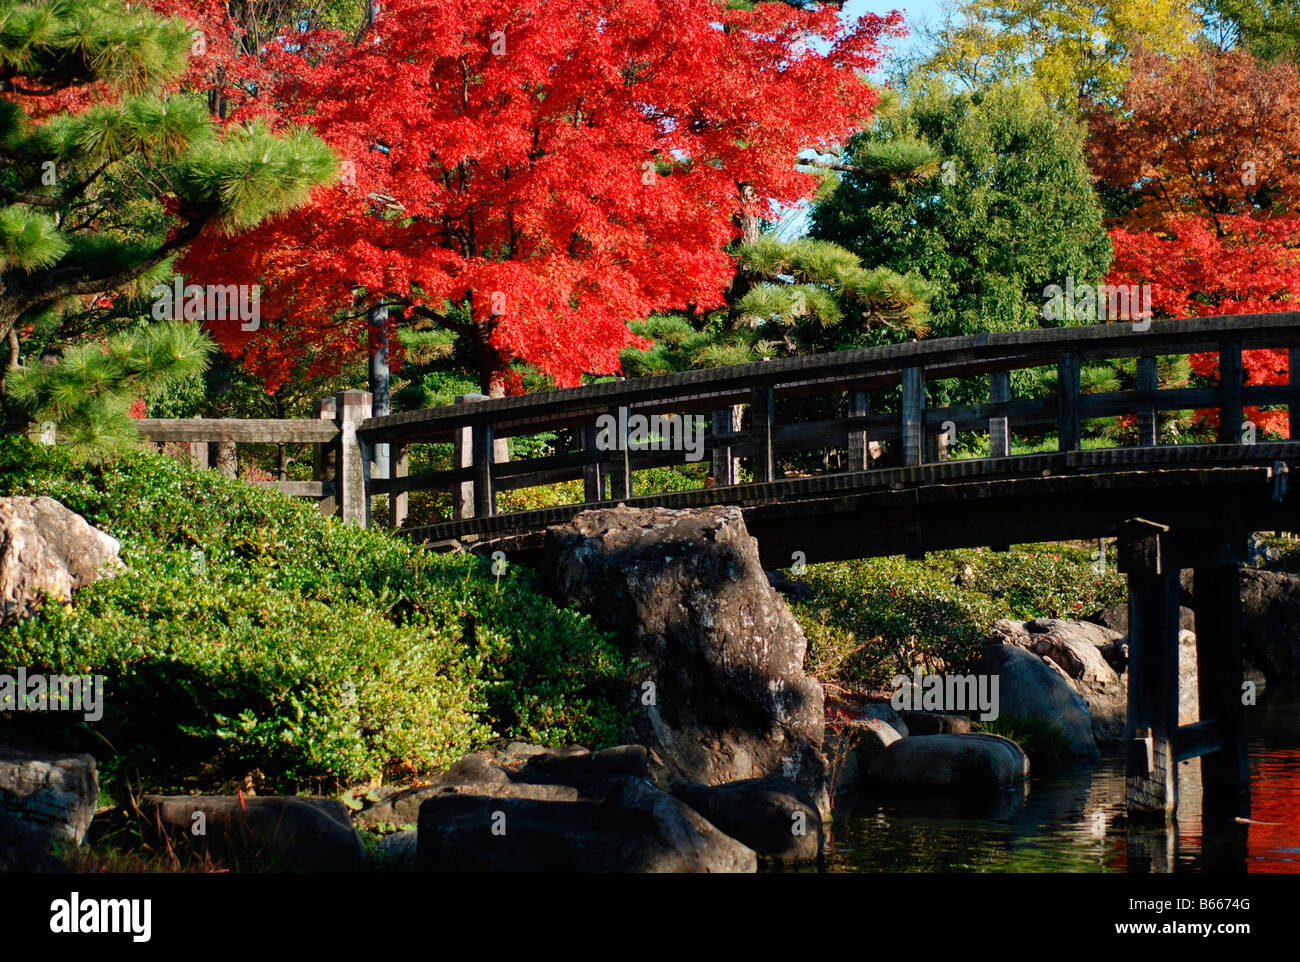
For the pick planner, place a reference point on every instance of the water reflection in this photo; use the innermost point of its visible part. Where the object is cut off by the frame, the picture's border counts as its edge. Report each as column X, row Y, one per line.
column 1075, row 821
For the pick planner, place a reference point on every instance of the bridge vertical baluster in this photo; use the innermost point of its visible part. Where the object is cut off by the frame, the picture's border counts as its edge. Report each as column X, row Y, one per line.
column 1230, row 381
column 999, row 428
column 762, row 407
column 620, row 464
column 398, row 504
column 593, row 478
column 1293, row 409
column 1147, row 419
column 913, row 416
column 724, row 421
column 1068, row 387
column 859, row 443
column 485, row 501
column 1216, row 589
column 462, row 494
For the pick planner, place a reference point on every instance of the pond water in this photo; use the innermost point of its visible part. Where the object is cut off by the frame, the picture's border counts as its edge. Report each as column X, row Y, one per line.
column 1074, row 821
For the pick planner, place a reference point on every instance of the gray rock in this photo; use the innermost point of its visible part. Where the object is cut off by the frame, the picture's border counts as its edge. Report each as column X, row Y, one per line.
column 935, row 723
column 1077, row 648
column 955, row 764
column 289, row 832
column 1189, row 697
column 637, row 828
column 881, row 711
column 794, row 590
column 400, row 847
column 53, row 795
column 773, row 816
column 1270, row 602
column 45, row 547
column 404, row 807
column 1116, row 619
column 683, row 592
column 560, row 775
column 1030, row 687
column 24, row 850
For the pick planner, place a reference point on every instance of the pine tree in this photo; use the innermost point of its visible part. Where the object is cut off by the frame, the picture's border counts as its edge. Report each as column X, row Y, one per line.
column 107, row 175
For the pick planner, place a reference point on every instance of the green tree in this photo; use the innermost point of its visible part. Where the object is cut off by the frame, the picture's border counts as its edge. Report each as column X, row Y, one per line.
column 1010, row 211
column 1269, row 29
column 107, row 176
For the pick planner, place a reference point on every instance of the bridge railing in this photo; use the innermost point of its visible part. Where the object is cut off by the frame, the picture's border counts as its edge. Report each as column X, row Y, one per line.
column 475, row 425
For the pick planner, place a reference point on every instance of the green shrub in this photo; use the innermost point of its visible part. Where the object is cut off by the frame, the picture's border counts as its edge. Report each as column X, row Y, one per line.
column 872, row 619
column 1041, row 739
column 251, row 635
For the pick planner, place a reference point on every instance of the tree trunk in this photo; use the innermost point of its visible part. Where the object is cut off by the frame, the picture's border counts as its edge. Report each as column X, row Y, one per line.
column 743, row 281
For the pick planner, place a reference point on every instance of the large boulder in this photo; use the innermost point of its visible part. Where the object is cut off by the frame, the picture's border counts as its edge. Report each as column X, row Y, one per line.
column 1270, row 603
column 1030, row 686
column 936, row 723
column 636, row 828
column 1116, row 618
column 563, row 775
column 44, row 547
column 1077, row 648
column 288, row 832
column 957, row 764
column 773, row 816
column 52, row 796
column 722, row 695
column 24, row 850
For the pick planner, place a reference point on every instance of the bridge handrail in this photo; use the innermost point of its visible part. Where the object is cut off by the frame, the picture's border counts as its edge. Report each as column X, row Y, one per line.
column 874, row 366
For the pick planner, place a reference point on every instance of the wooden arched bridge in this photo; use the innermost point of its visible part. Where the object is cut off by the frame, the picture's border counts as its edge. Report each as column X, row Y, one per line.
column 1172, row 506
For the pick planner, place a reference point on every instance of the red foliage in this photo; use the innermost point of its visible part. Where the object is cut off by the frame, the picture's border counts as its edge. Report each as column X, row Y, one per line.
column 1204, row 147
column 500, row 157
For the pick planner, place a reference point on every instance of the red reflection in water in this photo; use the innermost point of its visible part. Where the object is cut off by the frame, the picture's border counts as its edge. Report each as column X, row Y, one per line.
column 1275, row 797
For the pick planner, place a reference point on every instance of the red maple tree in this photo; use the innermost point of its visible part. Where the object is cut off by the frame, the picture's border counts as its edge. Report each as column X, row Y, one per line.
column 534, row 174
column 1205, row 150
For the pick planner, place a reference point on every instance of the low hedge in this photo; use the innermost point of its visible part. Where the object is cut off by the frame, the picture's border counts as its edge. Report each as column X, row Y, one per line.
column 252, row 636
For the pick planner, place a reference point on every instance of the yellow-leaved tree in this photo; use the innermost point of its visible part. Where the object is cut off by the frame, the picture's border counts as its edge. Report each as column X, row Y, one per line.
column 1072, row 50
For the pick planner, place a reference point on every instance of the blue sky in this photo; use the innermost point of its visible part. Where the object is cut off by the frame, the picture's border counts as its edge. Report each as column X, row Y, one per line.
column 794, row 222
column 913, row 12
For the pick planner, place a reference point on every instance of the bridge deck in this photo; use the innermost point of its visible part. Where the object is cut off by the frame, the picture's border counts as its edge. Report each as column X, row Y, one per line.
column 964, row 503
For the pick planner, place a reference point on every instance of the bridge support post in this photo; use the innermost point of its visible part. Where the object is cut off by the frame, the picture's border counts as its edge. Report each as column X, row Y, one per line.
column 353, row 407
column 1225, row 773
column 1146, row 556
